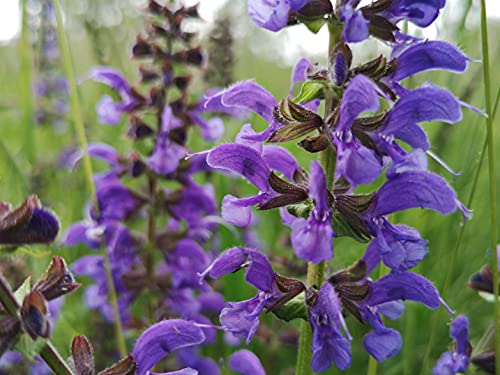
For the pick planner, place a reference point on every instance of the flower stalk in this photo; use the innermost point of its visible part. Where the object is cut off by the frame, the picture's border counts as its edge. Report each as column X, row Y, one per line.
column 316, row 272
column 492, row 175
column 87, row 165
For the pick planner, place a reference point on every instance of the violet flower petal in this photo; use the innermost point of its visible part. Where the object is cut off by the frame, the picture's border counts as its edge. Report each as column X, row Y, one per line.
column 312, row 240
column 355, row 24
column 260, row 272
column 403, row 286
column 270, row 15
column 360, row 96
column 246, row 363
column 108, row 111
column 428, row 103
column 243, row 160
column 414, row 190
column 328, row 344
column 162, row 338
column 281, row 160
column 382, row 343
column 429, row 55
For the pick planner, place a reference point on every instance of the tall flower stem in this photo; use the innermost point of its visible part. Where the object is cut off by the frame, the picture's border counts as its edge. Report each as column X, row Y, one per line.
column 25, row 88
column 492, row 175
column 316, row 272
column 458, row 242
column 48, row 353
column 87, row 165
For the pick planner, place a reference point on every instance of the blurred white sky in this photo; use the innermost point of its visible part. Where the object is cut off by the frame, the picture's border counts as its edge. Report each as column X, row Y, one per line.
column 10, row 21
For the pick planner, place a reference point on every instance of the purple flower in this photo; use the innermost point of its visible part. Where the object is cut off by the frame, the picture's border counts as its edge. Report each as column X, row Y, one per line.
column 427, row 103
column 167, row 153
column 329, row 345
column 248, row 95
column 355, row 162
column 273, row 14
column 246, row 363
column 382, row 16
column 420, row 12
column 241, row 318
column 161, row 339
column 255, row 163
column 190, row 357
column 121, row 248
column 312, row 238
column 401, row 247
column 425, row 55
column 109, row 111
column 116, row 201
column 184, row 262
column 458, row 361
column 365, row 300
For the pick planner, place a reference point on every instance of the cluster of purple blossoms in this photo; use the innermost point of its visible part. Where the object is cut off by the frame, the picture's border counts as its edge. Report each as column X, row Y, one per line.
column 157, row 190
column 371, row 126
column 50, row 87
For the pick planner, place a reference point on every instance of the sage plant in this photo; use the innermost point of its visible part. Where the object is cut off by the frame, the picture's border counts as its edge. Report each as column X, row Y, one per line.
column 157, row 223
column 357, row 141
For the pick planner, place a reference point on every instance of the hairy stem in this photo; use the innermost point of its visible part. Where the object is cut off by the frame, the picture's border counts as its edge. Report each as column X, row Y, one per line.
column 87, row 165
column 492, row 175
column 316, row 272
column 48, row 353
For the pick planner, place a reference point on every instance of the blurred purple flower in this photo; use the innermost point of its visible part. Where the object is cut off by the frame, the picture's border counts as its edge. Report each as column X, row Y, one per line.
column 246, row 363
column 273, row 14
column 109, row 111
column 458, row 361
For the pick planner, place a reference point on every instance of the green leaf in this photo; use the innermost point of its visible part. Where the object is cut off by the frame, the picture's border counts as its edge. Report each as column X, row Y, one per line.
column 23, row 290
column 343, row 229
column 295, row 309
column 311, row 90
column 28, row 347
column 313, row 24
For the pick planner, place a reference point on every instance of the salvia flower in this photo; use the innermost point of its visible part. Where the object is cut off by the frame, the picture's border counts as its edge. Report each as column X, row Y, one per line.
column 241, row 318
column 457, row 359
column 399, row 246
column 108, row 110
column 312, row 237
column 255, row 163
column 163, row 338
column 380, row 17
column 273, row 15
column 366, row 300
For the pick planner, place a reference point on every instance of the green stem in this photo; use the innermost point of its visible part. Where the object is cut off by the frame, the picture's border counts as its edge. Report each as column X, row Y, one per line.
column 48, row 353
column 25, row 88
column 458, row 242
column 316, row 272
column 87, row 165
column 492, row 175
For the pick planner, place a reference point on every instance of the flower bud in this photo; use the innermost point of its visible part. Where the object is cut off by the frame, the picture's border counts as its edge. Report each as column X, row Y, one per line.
column 35, row 315
column 56, row 281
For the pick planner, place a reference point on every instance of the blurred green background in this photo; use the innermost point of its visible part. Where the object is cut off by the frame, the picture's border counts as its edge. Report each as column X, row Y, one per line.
column 101, row 33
